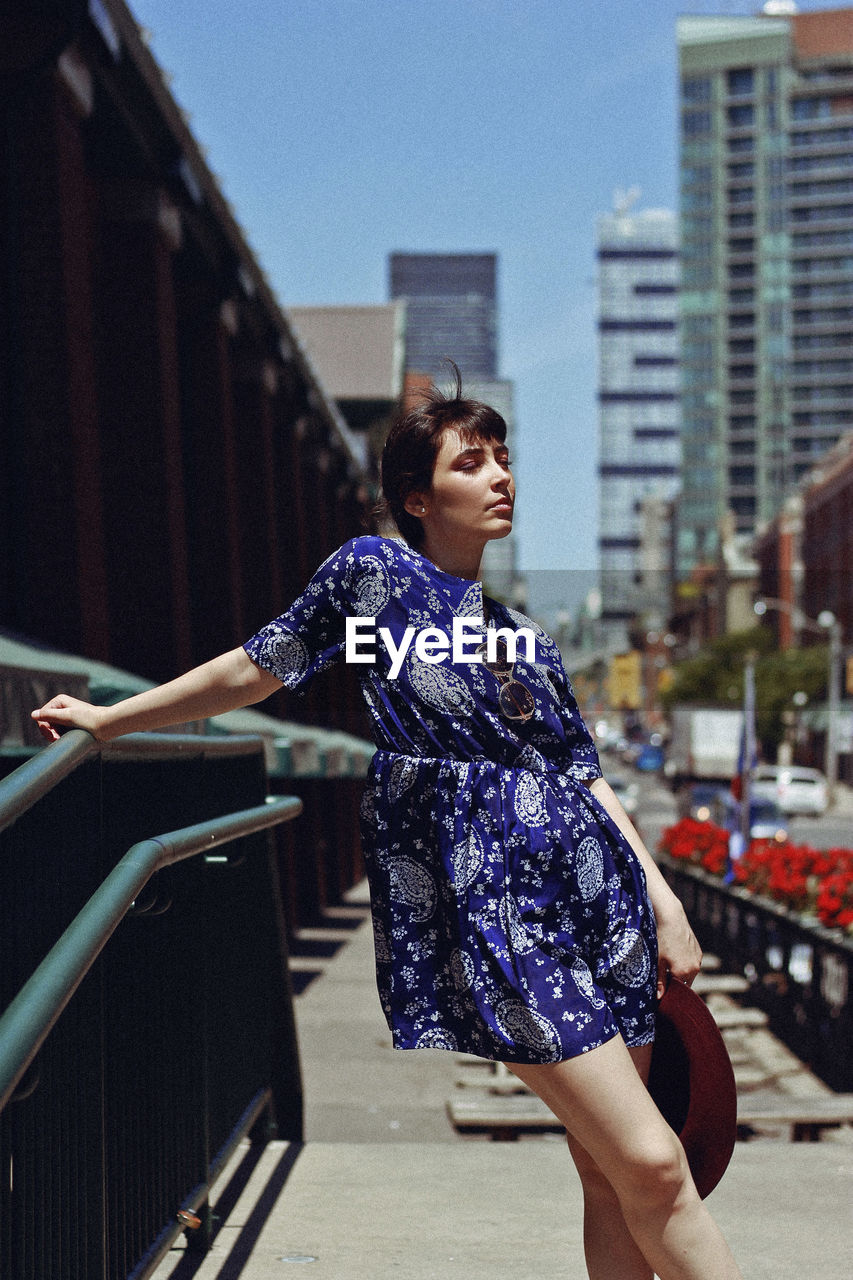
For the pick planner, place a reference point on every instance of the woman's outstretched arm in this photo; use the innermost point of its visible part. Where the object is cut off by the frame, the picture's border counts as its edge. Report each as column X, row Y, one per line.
column 678, row 951
column 225, row 683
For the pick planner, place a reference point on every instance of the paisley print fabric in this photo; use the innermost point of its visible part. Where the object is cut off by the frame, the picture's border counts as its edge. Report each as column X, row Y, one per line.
column 510, row 914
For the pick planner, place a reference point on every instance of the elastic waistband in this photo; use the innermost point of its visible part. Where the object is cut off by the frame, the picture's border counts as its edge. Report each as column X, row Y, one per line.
column 562, row 770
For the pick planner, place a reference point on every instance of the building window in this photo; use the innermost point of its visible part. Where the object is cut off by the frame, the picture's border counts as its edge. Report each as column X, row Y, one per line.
column 744, row 169
column 741, row 271
column 808, row 164
column 696, row 89
column 811, row 108
column 825, row 137
column 743, row 477
column 737, row 221
column 740, row 146
column 656, row 433
column 740, row 82
column 741, row 117
column 823, row 213
column 696, row 124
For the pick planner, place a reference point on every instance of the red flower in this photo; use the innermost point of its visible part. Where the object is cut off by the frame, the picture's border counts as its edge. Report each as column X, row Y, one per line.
column 808, row 880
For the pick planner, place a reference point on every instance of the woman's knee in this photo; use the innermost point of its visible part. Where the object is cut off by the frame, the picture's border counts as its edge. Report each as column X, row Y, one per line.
column 653, row 1174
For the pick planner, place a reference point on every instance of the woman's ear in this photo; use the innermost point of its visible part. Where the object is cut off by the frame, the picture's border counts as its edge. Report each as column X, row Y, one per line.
column 414, row 504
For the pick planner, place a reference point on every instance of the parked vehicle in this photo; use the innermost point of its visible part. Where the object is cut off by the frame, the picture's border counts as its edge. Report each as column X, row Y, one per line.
column 796, row 789
column 649, row 759
column 766, row 819
column 627, row 792
column 697, row 800
column 705, row 743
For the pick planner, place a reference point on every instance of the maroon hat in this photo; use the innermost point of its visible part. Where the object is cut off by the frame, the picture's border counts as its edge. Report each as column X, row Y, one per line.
column 692, row 1081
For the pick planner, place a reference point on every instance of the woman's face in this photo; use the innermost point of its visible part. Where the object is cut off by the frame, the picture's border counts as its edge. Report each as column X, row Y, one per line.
column 472, row 494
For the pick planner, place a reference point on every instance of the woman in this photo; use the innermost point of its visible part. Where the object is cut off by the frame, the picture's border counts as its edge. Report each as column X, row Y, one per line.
column 517, row 913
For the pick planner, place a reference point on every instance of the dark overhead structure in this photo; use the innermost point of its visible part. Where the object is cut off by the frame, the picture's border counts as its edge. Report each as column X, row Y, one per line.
column 171, row 471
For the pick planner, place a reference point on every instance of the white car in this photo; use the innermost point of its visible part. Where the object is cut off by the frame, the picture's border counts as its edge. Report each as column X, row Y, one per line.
column 795, row 788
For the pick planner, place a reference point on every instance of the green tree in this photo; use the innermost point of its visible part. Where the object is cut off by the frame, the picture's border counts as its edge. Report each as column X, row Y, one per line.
column 715, row 676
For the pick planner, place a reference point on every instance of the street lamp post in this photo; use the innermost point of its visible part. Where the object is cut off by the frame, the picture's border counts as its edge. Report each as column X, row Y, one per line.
column 826, row 624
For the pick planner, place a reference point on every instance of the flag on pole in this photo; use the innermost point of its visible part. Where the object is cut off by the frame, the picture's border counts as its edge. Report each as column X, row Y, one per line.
column 747, row 761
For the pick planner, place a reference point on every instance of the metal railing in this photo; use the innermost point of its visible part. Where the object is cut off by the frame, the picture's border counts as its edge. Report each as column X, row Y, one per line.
column 158, row 1028
column 801, row 973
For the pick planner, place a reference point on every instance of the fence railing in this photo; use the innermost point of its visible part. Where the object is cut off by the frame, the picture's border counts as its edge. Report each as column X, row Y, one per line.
column 801, row 974
column 124, row 1101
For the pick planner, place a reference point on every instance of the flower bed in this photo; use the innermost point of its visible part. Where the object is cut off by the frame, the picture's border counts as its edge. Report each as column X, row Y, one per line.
column 812, row 882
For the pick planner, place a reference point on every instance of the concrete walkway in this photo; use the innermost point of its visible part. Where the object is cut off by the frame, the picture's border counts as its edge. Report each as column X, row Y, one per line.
column 386, row 1188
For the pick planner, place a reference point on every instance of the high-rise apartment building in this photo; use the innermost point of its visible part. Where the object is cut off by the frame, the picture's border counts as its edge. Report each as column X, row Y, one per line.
column 767, row 251
column 639, row 409
column 451, row 310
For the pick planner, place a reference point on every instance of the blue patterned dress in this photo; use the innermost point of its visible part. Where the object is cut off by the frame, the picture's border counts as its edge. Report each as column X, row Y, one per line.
column 510, row 914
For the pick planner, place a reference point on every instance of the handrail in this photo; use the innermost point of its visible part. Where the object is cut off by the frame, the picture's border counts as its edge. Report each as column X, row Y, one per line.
column 35, row 777
column 30, row 1017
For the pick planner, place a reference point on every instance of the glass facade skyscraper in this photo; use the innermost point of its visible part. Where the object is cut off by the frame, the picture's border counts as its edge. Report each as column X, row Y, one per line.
column 451, row 310
column 766, row 122
column 639, row 406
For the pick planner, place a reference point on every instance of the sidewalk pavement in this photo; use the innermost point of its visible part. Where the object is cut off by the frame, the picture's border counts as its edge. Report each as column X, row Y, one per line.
column 385, row 1188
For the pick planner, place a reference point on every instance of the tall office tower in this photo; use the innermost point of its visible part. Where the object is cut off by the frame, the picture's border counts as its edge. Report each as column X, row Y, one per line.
column 451, row 310
column 639, row 411
column 767, row 247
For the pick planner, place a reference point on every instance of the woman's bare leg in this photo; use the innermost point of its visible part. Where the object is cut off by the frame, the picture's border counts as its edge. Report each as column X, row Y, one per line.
column 610, row 1250
column 603, row 1103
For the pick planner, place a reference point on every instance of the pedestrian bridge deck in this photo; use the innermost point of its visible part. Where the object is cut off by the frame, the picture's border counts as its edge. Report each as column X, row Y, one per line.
column 386, row 1188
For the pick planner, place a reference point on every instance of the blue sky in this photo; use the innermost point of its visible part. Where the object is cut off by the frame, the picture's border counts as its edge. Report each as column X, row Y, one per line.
column 341, row 130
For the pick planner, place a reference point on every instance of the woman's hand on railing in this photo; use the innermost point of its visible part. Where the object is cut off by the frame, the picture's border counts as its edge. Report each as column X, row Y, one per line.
column 65, row 712
column 232, row 680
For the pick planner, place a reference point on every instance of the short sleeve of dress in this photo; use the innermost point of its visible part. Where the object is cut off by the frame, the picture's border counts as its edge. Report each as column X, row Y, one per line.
column 310, row 635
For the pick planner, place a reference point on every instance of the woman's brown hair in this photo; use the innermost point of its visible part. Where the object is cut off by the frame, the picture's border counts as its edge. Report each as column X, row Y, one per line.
column 413, row 443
